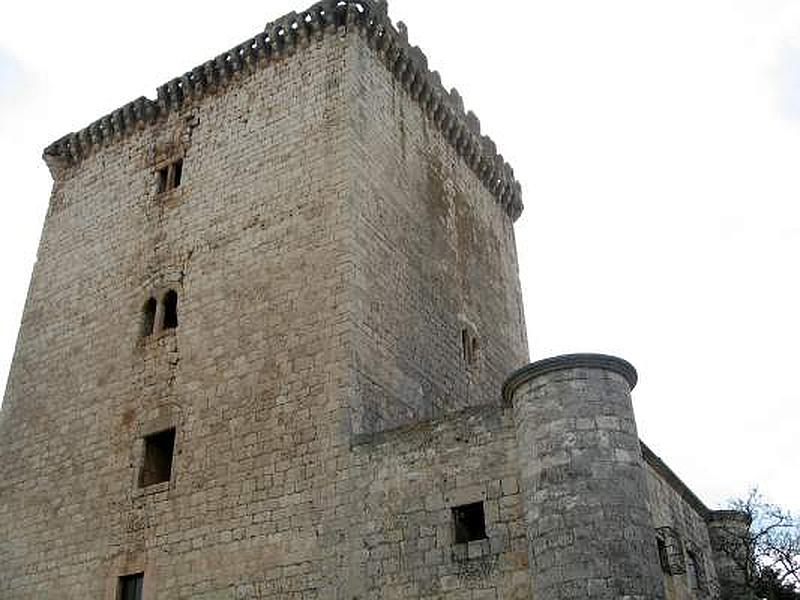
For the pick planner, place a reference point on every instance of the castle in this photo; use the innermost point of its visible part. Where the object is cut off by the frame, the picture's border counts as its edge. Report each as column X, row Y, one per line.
column 274, row 347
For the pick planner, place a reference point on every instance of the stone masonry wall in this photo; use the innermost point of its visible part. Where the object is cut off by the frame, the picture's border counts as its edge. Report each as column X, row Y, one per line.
column 680, row 521
column 583, row 481
column 255, row 242
column 435, row 255
column 408, row 482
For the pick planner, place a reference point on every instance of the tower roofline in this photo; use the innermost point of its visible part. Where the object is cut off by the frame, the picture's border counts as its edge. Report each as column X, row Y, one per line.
column 284, row 36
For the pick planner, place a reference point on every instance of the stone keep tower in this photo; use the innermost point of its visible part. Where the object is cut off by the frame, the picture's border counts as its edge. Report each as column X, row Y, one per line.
column 264, row 346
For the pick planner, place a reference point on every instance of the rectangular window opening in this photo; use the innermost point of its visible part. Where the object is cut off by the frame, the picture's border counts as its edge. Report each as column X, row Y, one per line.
column 157, row 463
column 469, row 523
column 130, row 587
column 177, row 172
column 663, row 555
column 170, row 176
column 170, row 310
column 163, row 178
column 694, row 571
column 469, row 346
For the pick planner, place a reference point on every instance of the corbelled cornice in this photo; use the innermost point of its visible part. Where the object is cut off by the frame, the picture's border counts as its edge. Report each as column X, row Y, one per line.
column 292, row 33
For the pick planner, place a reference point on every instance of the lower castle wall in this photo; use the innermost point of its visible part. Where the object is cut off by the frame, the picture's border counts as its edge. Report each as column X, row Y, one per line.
column 685, row 522
column 409, row 480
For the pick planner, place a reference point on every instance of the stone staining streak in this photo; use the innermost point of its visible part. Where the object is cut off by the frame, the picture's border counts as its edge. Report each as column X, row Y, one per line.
column 284, row 37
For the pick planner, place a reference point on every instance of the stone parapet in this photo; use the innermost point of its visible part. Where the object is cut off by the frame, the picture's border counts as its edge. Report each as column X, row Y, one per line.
column 569, row 361
column 285, row 36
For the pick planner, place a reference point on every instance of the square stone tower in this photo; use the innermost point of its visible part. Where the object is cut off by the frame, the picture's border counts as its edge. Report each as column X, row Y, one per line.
column 271, row 349
column 243, row 288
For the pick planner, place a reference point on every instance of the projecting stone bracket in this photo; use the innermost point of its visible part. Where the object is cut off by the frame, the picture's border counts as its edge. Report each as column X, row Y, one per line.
column 283, row 37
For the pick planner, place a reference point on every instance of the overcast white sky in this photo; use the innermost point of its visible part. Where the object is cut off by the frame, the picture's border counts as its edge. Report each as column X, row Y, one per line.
column 657, row 142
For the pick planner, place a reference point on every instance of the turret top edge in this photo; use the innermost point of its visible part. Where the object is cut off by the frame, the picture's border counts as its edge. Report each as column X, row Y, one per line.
column 565, row 362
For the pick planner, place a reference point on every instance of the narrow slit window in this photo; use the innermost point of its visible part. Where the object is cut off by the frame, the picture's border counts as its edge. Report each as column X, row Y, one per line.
column 177, row 172
column 149, row 317
column 171, row 309
column 130, row 587
column 157, row 460
column 469, row 523
column 163, row 179
column 469, row 346
column 663, row 555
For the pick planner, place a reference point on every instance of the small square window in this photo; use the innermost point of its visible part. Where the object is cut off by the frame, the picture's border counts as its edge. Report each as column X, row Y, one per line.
column 169, row 176
column 469, row 523
column 157, row 462
column 130, row 587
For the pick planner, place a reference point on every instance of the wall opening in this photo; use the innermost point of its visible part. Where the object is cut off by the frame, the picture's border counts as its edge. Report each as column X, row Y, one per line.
column 170, row 309
column 670, row 551
column 469, row 346
column 157, row 462
column 149, row 316
column 694, row 571
column 663, row 556
column 469, row 523
column 169, row 176
column 163, row 178
column 130, row 587
column 177, row 172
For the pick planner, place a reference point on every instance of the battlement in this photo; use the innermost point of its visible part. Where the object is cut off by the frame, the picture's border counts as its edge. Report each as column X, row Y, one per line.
column 285, row 36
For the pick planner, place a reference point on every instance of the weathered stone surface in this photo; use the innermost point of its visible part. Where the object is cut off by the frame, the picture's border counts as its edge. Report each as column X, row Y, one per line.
column 583, row 480
column 339, row 234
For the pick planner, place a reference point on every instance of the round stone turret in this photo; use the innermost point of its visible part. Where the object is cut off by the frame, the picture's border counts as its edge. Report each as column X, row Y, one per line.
column 590, row 532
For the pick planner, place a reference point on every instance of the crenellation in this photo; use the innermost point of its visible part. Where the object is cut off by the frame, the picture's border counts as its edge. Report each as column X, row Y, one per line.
column 285, row 36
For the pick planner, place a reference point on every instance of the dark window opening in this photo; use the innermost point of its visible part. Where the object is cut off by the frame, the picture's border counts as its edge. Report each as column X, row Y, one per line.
column 157, row 463
column 469, row 523
column 171, row 309
column 170, row 176
column 177, row 172
column 163, row 178
column 149, row 317
column 469, row 346
column 130, row 587
column 663, row 555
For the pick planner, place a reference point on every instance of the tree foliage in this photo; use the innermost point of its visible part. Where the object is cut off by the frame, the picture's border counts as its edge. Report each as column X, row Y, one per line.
column 770, row 560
